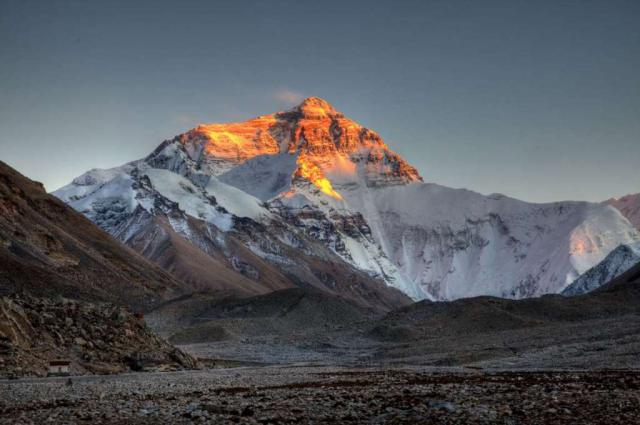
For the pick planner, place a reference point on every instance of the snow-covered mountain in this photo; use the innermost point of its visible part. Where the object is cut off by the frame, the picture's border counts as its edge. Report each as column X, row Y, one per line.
column 310, row 182
column 214, row 236
column 617, row 262
column 629, row 206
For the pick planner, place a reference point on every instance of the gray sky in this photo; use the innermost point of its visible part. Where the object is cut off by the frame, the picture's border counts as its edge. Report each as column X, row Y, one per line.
column 537, row 100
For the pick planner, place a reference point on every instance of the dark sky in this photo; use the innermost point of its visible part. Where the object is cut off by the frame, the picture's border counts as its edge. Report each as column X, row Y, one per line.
column 537, row 100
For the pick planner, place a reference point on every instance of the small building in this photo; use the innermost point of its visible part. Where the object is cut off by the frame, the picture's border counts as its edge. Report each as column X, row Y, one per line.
column 138, row 315
column 59, row 367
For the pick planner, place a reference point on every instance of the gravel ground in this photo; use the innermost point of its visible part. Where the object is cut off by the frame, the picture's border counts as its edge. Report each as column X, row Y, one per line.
column 326, row 394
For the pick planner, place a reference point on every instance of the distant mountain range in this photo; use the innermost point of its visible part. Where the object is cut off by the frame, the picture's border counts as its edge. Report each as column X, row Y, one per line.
column 310, row 198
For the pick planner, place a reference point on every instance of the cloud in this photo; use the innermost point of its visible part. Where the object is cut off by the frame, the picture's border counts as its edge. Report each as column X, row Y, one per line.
column 288, row 96
column 185, row 119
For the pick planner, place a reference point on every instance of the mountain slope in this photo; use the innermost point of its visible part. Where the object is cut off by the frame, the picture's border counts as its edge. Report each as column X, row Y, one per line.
column 315, row 182
column 455, row 243
column 595, row 330
column 629, row 206
column 616, row 263
column 48, row 249
column 307, row 313
column 214, row 236
column 57, row 271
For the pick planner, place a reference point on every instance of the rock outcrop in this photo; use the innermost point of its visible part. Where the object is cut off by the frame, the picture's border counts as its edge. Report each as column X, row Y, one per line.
column 95, row 338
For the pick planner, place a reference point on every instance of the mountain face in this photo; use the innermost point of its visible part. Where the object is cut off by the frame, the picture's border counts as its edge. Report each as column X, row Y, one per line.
column 215, row 237
column 616, row 263
column 629, row 206
column 49, row 250
column 277, row 198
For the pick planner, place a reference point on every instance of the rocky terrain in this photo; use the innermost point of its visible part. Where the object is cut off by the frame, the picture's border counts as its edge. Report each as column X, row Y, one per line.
column 95, row 338
column 294, row 325
column 600, row 329
column 303, row 394
column 304, row 312
column 484, row 360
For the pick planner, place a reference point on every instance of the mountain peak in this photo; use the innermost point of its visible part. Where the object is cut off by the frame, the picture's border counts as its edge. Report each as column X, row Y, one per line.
column 315, row 107
column 329, row 144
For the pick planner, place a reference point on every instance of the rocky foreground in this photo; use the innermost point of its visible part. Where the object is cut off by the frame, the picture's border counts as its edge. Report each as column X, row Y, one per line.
column 327, row 394
column 94, row 338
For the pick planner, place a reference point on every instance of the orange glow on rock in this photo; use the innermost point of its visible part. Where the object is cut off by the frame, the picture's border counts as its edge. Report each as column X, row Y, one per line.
column 241, row 140
column 330, row 145
column 580, row 246
column 311, row 172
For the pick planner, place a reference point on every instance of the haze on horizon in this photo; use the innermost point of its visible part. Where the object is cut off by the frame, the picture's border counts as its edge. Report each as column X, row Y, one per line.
column 536, row 100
